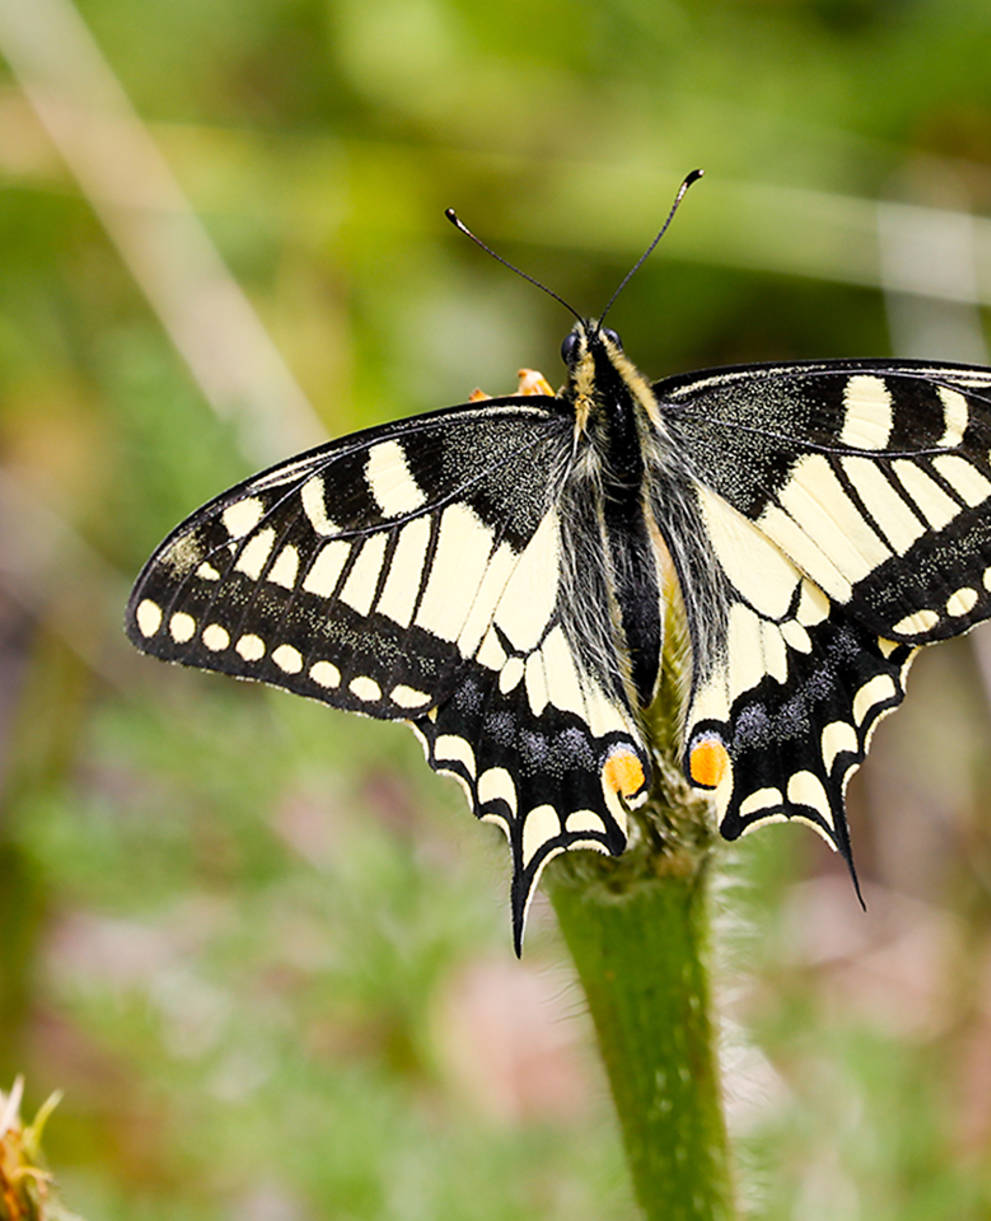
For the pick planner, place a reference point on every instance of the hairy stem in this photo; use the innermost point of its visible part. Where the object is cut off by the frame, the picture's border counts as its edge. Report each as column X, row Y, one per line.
column 638, row 929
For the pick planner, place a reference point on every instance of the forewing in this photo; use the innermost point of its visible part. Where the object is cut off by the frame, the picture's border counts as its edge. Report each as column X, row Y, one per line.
column 843, row 509
column 874, row 478
column 363, row 573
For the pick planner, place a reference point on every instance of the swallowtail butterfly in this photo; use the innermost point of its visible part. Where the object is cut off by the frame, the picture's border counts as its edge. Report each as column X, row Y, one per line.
column 493, row 574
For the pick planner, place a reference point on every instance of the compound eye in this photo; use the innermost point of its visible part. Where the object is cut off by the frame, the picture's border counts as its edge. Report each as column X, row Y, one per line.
column 569, row 347
column 612, row 337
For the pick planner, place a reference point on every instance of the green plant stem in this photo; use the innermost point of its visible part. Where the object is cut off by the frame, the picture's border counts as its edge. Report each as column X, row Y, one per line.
column 638, row 929
column 641, row 956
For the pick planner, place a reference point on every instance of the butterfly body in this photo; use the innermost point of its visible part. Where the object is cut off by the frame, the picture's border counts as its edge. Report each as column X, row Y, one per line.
column 496, row 575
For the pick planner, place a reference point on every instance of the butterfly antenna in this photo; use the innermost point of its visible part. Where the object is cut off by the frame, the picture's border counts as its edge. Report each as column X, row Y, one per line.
column 456, row 221
column 694, row 176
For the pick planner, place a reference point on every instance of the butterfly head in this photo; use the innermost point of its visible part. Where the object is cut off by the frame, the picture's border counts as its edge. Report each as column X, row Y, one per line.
column 581, row 341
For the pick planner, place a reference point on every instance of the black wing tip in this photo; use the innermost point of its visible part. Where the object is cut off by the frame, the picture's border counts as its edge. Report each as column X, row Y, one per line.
column 847, row 854
column 519, row 903
column 732, row 827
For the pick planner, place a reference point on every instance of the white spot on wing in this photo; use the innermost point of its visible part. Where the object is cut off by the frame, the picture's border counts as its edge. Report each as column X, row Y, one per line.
column 408, row 697
column 867, row 412
column 216, row 637
column 796, row 637
column 182, row 627
column 806, row 789
column 761, row 799
column 495, row 784
column 148, row 616
column 492, row 655
column 955, row 415
column 583, row 820
column 288, row 659
column 255, row 555
column 896, row 521
column 838, row 737
column 326, row 569
column 183, row 554
column 510, row 674
column 962, row 602
column 315, row 507
column 250, row 647
column 933, row 503
column 536, row 683
column 241, row 517
column 390, row 480
column 463, row 546
column 207, row 572
column 969, row 484
column 325, row 673
column 358, row 590
column 402, row 582
column 449, row 748
column 285, row 570
column 763, row 575
column 541, row 824
column 813, row 605
column 916, row 624
column 529, row 597
column 876, row 690
column 365, row 688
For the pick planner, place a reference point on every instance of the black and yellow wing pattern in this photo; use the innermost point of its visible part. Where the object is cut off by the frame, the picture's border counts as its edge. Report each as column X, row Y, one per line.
column 846, row 506
column 494, row 574
column 414, row 572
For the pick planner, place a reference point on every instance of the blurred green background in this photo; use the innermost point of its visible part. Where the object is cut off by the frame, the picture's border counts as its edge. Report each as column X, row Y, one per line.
column 265, row 952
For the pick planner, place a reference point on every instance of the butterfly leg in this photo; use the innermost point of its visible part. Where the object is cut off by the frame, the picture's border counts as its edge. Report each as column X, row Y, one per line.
column 530, row 381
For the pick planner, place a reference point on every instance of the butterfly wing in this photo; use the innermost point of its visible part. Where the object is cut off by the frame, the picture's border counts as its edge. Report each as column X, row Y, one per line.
column 538, row 730
column 842, row 509
column 414, row 572
column 364, row 572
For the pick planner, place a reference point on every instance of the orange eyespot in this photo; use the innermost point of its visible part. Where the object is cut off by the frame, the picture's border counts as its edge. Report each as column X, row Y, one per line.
column 708, row 763
column 623, row 773
column 478, row 396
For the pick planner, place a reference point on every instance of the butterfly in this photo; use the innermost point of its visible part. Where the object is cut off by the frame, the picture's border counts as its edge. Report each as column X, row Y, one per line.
column 495, row 575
